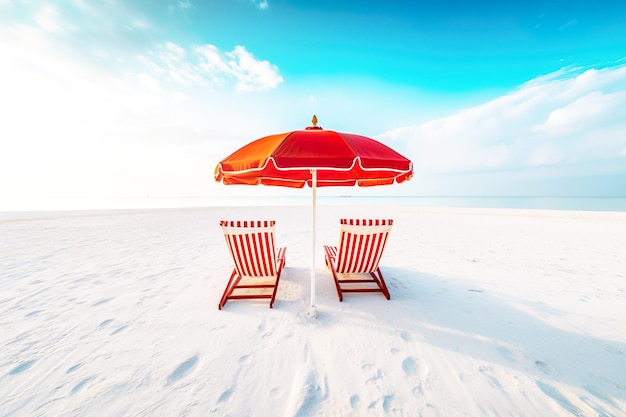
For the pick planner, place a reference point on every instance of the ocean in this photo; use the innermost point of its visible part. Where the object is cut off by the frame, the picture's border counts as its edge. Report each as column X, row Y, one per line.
column 540, row 203
column 303, row 199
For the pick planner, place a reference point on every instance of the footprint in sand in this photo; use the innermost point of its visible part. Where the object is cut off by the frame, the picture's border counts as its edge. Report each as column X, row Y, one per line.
column 354, row 401
column 24, row 366
column 387, row 402
column 73, row 368
column 106, row 323
column 182, row 370
column 409, row 366
column 80, row 385
column 225, row 395
column 118, row 330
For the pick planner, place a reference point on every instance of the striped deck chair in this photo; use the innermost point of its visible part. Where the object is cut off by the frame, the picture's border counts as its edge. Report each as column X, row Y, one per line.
column 354, row 263
column 258, row 263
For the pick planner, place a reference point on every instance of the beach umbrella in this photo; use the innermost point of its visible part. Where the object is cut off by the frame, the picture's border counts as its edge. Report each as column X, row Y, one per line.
column 318, row 158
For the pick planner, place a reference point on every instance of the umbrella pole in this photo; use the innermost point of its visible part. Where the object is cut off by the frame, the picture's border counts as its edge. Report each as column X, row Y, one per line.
column 312, row 309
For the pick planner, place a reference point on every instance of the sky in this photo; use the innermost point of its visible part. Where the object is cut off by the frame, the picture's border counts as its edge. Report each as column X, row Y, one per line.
column 107, row 100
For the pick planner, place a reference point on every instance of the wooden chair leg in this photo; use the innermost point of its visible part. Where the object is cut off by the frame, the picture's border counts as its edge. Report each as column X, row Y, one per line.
column 378, row 276
column 229, row 289
column 330, row 263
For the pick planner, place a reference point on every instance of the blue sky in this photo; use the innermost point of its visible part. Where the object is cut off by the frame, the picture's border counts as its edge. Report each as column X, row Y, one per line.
column 129, row 99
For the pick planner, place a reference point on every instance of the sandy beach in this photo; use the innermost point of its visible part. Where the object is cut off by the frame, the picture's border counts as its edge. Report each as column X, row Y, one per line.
column 493, row 312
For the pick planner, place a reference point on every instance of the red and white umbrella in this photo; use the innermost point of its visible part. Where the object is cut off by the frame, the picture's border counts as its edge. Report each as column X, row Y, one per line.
column 318, row 158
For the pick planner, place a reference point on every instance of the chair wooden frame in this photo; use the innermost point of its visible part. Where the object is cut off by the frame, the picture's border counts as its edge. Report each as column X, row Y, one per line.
column 355, row 260
column 258, row 263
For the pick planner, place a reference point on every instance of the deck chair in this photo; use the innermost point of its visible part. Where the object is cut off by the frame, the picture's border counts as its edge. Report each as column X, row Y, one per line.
column 354, row 263
column 258, row 263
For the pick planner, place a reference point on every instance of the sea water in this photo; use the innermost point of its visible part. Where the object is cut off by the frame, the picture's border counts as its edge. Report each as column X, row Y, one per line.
column 512, row 202
column 304, row 198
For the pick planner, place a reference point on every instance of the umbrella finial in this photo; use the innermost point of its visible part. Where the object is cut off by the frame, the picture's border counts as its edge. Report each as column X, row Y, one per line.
column 315, row 126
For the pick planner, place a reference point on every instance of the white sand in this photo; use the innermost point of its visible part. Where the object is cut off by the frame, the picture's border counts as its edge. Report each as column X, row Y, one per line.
column 492, row 313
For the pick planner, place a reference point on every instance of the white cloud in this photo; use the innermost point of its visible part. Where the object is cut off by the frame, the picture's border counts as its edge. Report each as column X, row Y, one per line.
column 208, row 65
column 568, row 118
column 118, row 36
column 172, row 62
column 252, row 74
column 77, row 127
column 213, row 63
column 585, row 113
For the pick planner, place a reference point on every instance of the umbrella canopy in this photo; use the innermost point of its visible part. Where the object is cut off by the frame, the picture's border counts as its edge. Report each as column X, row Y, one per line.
column 340, row 159
column 319, row 158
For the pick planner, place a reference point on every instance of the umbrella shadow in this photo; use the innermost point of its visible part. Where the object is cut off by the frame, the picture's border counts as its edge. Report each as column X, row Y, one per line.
column 513, row 333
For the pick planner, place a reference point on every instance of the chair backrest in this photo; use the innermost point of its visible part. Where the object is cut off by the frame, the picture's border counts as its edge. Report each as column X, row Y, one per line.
column 252, row 246
column 361, row 244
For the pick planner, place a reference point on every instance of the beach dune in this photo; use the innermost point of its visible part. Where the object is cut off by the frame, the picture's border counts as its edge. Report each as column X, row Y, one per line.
column 493, row 312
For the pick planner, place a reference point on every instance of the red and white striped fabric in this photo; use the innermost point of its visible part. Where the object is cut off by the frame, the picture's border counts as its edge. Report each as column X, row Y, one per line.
column 361, row 244
column 252, row 246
